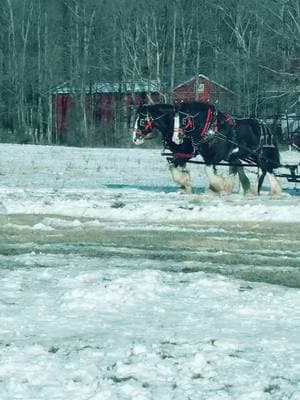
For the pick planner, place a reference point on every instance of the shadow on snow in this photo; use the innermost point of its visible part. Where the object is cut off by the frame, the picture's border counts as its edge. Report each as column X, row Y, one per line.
column 170, row 189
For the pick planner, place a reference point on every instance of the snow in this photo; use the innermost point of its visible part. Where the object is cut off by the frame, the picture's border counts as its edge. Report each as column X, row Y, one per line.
column 98, row 183
column 114, row 286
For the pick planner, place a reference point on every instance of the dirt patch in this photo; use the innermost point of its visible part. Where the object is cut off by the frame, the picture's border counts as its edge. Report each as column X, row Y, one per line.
column 266, row 252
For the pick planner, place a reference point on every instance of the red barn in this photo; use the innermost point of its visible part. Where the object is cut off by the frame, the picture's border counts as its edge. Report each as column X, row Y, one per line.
column 201, row 88
column 103, row 103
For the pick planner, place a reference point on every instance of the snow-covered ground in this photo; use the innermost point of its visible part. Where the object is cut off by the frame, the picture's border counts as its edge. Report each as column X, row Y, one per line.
column 85, row 183
column 113, row 286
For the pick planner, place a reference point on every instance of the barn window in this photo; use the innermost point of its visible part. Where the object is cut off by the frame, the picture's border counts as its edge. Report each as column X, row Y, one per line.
column 199, row 87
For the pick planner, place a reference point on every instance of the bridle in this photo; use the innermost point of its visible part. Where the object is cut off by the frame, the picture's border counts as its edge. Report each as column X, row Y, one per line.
column 184, row 126
column 145, row 121
column 144, row 125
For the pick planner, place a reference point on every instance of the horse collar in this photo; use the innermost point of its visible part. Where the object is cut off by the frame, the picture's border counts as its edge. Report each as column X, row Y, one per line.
column 210, row 126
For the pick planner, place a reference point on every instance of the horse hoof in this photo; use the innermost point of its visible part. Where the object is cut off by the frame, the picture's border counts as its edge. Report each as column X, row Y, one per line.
column 250, row 193
column 275, row 193
column 212, row 192
column 184, row 190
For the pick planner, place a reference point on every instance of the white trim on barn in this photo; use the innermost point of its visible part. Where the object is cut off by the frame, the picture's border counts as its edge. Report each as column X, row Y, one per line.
column 201, row 76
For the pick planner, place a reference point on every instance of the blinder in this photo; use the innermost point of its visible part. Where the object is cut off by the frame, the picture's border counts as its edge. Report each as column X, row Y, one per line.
column 188, row 123
column 146, row 123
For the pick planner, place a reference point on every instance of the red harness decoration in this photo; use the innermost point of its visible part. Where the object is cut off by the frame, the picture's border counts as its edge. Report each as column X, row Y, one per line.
column 183, row 155
column 148, row 124
column 189, row 123
column 229, row 119
column 209, row 112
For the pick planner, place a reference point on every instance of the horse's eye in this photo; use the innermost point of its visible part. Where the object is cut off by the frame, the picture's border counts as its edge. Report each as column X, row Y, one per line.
column 142, row 122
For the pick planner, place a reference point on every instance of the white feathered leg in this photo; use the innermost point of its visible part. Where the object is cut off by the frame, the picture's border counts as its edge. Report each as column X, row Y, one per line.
column 216, row 183
column 229, row 181
column 275, row 185
column 228, row 185
column 181, row 176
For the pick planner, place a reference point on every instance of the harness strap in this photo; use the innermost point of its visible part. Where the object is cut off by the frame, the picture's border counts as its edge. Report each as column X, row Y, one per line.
column 183, row 155
column 228, row 118
column 207, row 121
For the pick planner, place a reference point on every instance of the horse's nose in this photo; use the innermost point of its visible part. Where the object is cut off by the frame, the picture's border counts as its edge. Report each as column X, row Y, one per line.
column 137, row 137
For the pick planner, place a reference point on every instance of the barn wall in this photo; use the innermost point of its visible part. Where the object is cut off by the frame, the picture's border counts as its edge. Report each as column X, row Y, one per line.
column 61, row 110
column 201, row 89
column 194, row 90
column 185, row 92
column 109, row 116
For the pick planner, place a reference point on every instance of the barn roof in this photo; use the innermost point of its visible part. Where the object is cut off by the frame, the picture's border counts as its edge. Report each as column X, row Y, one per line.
column 201, row 76
column 111, row 87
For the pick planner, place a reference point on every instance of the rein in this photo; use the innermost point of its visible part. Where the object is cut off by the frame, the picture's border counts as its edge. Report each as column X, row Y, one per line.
column 156, row 118
column 207, row 123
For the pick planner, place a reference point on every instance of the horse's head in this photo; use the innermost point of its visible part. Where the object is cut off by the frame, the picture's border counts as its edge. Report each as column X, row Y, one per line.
column 193, row 120
column 149, row 118
column 143, row 126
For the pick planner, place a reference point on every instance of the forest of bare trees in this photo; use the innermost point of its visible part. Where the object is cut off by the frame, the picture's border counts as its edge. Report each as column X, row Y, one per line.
column 253, row 48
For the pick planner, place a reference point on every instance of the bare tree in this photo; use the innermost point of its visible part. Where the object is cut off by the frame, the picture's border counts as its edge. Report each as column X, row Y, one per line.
column 43, row 45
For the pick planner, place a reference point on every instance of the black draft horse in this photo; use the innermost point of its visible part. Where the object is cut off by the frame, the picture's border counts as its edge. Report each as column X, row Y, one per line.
column 160, row 117
column 217, row 137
